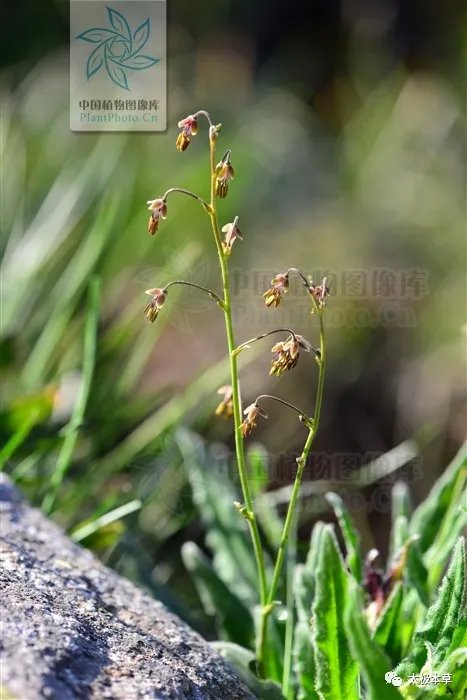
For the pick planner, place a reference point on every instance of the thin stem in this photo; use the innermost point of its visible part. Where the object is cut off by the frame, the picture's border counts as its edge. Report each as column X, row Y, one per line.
column 187, row 192
column 196, row 286
column 301, row 463
column 236, row 398
column 247, row 343
column 300, row 274
column 203, row 113
column 302, row 414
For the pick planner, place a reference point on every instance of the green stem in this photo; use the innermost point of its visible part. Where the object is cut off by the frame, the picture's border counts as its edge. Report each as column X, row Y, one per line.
column 236, row 399
column 301, row 463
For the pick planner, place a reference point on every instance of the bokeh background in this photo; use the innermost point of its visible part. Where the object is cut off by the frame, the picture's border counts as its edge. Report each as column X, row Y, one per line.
column 346, row 124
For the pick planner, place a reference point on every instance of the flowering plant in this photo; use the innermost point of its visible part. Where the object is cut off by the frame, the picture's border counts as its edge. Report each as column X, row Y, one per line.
column 348, row 612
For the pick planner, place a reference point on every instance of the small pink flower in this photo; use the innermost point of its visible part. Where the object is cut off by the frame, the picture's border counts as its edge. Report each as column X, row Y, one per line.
column 189, row 128
column 280, row 286
column 155, row 305
column 225, row 408
column 232, row 232
column 158, row 209
column 319, row 292
column 224, row 174
column 251, row 412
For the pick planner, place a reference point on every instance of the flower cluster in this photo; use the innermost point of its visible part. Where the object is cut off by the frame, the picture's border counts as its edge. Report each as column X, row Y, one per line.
column 287, row 353
column 225, row 408
column 224, row 173
column 280, row 287
column 251, row 412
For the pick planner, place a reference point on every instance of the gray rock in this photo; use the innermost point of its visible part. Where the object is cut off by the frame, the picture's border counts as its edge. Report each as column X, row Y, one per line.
column 71, row 628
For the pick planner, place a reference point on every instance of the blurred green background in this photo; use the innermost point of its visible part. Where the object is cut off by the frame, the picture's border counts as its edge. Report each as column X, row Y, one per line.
column 346, row 124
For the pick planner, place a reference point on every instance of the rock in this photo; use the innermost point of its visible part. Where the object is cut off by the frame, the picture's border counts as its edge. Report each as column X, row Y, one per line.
column 71, row 628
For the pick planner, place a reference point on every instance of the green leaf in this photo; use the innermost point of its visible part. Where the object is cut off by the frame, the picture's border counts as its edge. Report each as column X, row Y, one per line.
column 388, row 629
column 304, row 661
column 336, row 672
column 351, row 537
column 427, row 518
column 243, row 661
column 442, row 619
column 235, row 620
column 408, row 548
column 400, row 507
column 226, row 530
column 305, row 575
column 304, row 589
column 372, row 660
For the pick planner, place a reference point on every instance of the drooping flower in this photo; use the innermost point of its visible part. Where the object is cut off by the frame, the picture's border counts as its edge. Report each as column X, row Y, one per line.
column 232, row 232
column 224, row 174
column 280, row 286
column 225, row 408
column 158, row 297
column 319, row 292
column 189, row 128
column 287, row 353
column 251, row 412
column 158, row 209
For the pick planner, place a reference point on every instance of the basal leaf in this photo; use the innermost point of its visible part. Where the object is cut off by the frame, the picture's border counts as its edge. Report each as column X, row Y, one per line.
column 388, row 629
column 372, row 660
column 336, row 671
column 235, row 620
column 350, row 534
column 400, row 507
column 226, row 530
column 304, row 661
column 243, row 660
column 427, row 518
column 443, row 617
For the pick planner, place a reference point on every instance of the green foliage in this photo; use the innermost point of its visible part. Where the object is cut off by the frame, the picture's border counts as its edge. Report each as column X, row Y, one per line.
column 350, row 534
column 336, row 671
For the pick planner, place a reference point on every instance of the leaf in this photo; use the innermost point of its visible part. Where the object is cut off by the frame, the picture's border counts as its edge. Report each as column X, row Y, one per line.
column 409, row 549
column 388, row 628
column 400, row 506
column 456, row 665
column 116, row 74
column 139, row 62
column 141, row 35
column 372, row 660
column 96, row 35
column 226, row 529
column 305, row 575
column 95, row 61
column 235, row 620
column 304, row 661
column 258, row 475
column 443, row 617
column 243, row 661
column 427, row 518
column 350, row 534
column 336, row 672
column 119, row 23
